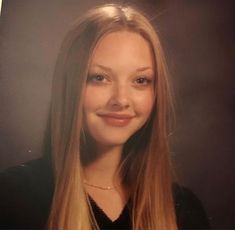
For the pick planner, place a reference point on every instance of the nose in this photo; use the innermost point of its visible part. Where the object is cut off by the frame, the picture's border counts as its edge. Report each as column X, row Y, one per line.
column 119, row 97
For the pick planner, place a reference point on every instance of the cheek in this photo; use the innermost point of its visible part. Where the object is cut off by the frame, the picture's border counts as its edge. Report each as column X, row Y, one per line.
column 93, row 99
column 144, row 103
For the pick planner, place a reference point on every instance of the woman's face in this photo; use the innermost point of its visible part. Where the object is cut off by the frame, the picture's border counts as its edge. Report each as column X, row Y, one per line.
column 119, row 93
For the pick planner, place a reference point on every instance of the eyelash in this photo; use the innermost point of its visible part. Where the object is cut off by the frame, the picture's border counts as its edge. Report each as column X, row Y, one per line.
column 101, row 78
column 147, row 81
column 96, row 78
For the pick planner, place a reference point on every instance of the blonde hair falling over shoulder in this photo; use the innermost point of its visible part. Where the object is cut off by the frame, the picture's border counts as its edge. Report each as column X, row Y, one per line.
column 145, row 167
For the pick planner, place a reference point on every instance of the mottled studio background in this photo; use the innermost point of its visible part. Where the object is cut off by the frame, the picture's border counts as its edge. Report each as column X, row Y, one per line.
column 198, row 37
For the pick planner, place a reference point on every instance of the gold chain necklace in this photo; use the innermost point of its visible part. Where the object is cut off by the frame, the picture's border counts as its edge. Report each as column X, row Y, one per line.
column 98, row 187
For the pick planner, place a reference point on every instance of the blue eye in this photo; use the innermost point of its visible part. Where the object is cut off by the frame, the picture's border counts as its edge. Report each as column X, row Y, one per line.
column 143, row 81
column 96, row 78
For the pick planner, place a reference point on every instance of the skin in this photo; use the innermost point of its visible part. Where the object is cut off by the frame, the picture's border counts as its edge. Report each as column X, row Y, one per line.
column 118, row 101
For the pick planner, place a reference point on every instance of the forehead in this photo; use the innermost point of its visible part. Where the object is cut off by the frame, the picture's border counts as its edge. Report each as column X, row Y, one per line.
column 123, row 46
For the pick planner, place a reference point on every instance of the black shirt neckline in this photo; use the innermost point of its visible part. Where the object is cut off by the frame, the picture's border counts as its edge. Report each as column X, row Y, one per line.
column 123, row 221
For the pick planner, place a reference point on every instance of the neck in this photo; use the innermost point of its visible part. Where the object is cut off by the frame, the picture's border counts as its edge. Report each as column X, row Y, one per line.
column 103, row 171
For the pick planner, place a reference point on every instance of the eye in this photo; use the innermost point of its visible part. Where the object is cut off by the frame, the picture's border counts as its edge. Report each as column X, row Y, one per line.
column 143, row 81
column 97, row 78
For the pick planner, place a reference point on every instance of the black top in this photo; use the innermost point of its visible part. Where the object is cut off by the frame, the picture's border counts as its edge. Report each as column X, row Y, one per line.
column 26, row 192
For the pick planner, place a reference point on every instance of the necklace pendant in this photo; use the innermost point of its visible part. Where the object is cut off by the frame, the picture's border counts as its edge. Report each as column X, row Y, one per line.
column 98, row 187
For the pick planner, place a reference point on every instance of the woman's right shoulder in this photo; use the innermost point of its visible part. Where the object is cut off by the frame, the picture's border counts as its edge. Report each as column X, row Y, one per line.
column 29, row 175
column 25, row 194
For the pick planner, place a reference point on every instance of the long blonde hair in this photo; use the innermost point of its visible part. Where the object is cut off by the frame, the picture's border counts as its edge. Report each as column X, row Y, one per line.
column 145, row 165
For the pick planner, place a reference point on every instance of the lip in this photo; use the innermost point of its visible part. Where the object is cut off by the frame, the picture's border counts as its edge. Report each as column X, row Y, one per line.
column 115, row 119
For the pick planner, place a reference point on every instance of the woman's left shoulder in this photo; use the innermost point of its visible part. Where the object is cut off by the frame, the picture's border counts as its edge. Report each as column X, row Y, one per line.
column 190, row 212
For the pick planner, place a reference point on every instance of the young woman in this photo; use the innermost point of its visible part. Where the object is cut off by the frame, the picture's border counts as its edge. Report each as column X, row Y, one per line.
column 108, row 136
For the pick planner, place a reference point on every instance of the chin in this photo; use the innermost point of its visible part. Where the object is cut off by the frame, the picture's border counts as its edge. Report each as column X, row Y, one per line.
column 111, row 136
column 111, row 142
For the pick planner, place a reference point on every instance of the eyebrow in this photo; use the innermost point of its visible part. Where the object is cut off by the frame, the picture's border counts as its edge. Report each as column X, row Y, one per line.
column 110, row 70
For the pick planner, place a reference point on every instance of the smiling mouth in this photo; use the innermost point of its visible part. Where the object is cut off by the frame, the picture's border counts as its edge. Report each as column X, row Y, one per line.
column 118, row 120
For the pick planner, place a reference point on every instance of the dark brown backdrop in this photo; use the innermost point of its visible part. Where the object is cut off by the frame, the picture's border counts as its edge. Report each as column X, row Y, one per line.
column 199, row 43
